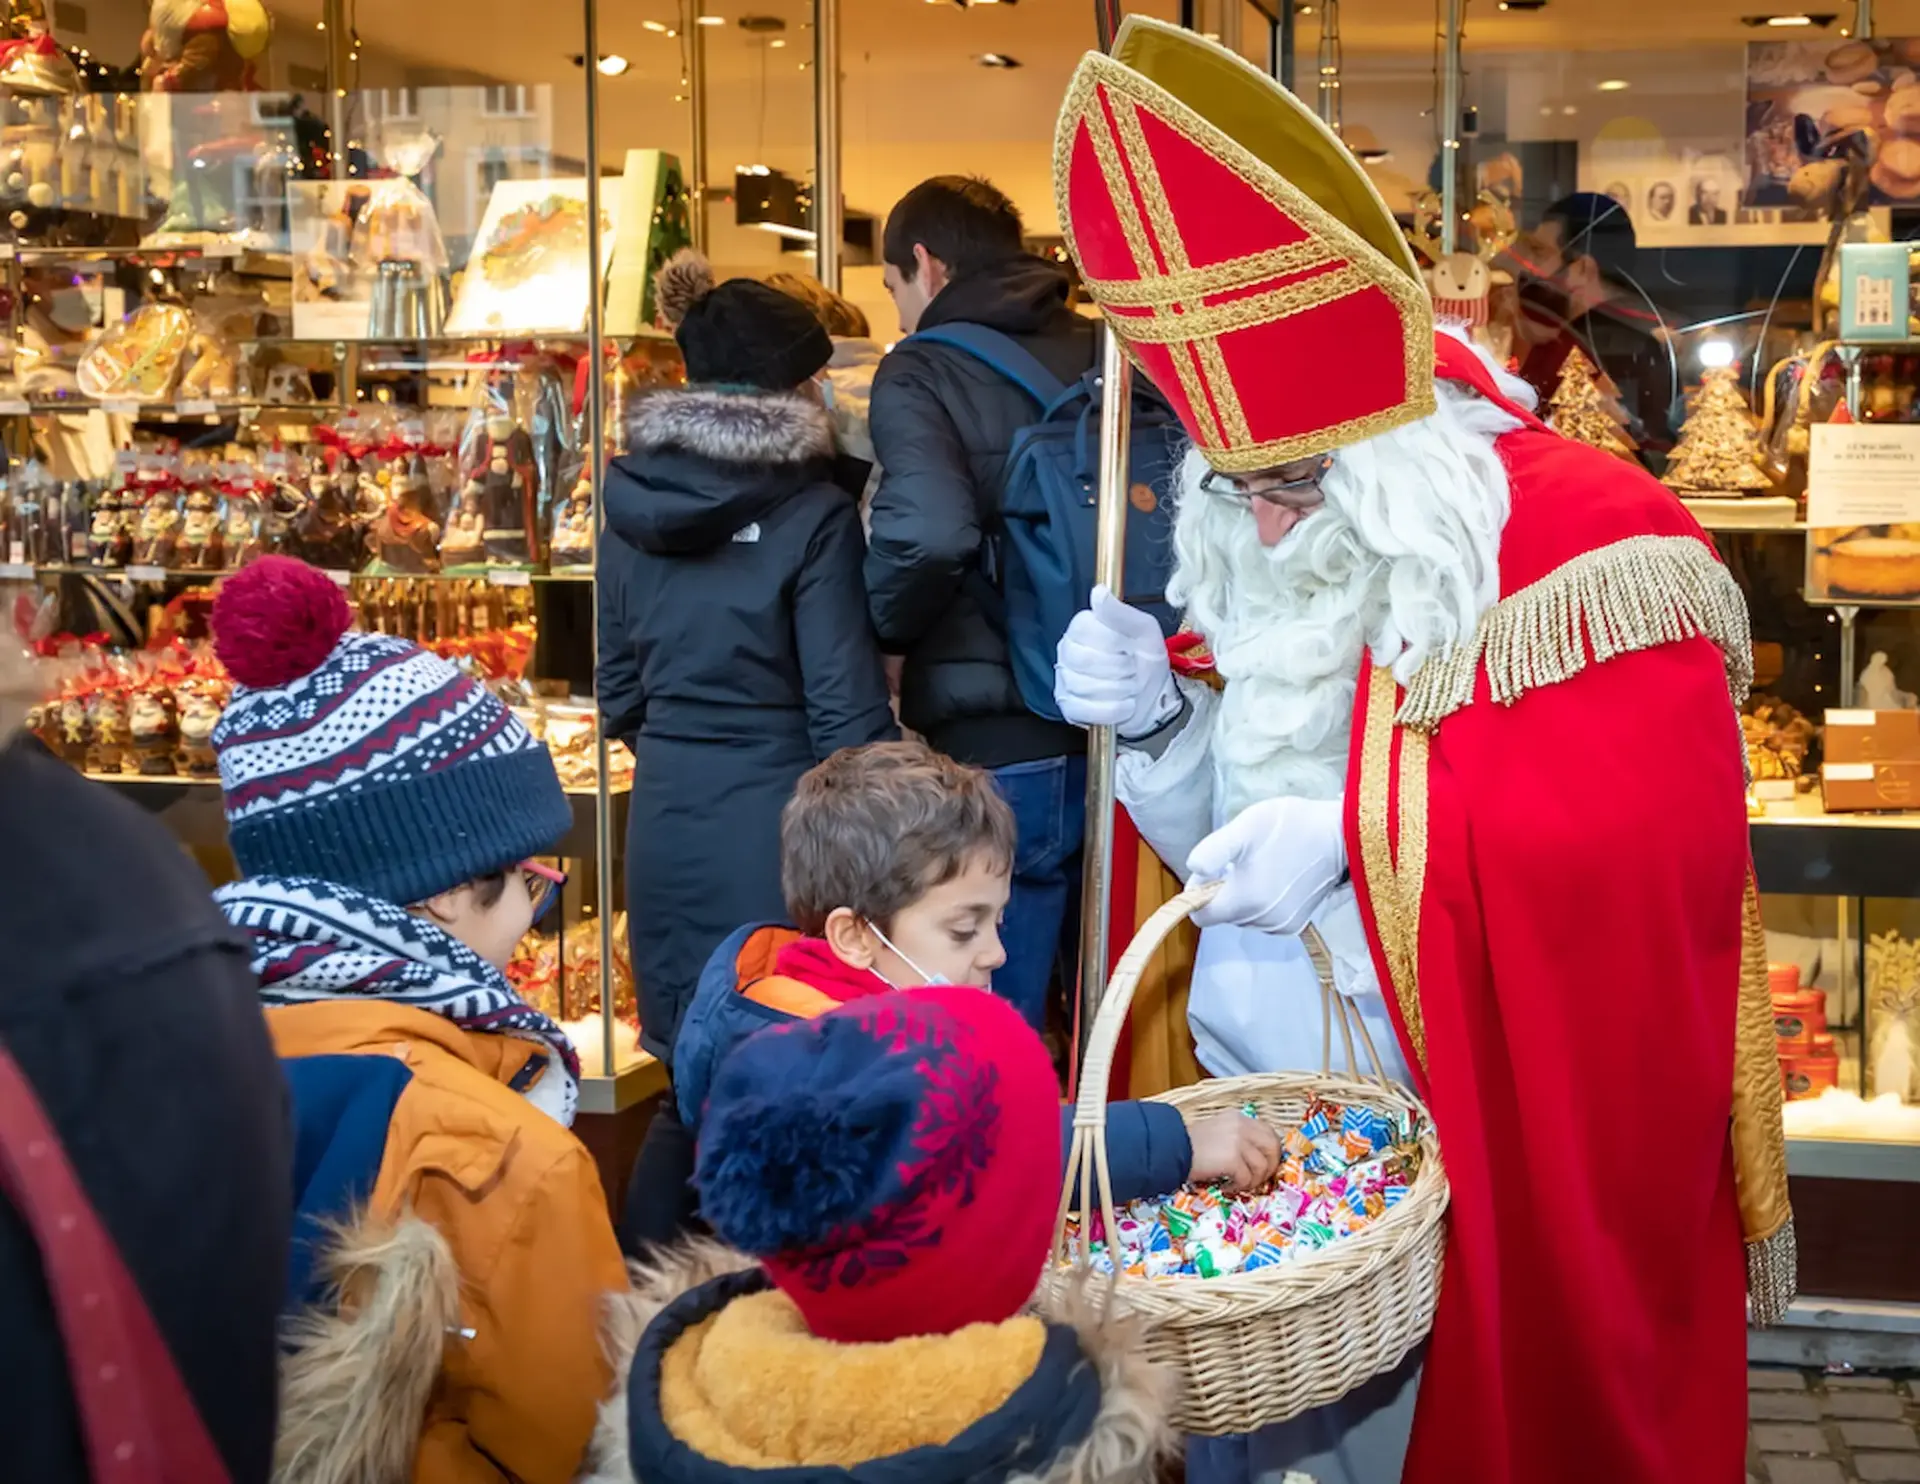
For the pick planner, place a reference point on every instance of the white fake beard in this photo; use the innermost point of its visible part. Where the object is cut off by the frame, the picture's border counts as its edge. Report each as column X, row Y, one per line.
column 1401, row 561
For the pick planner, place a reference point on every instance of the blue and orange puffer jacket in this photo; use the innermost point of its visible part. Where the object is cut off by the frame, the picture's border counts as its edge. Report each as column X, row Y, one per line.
column 747, row 986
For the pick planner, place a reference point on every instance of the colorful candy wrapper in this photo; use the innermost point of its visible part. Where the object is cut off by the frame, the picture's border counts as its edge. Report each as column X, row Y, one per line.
column 1217, row 1259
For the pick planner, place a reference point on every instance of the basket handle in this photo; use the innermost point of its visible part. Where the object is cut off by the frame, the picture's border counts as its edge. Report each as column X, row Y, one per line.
column 1087, row 1157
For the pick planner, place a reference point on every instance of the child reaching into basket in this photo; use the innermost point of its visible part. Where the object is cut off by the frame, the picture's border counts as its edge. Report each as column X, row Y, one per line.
column 884, row 1178
column 896, row 863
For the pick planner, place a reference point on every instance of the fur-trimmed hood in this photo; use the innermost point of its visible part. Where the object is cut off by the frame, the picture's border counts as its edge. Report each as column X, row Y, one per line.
column 1105, row 1403
column 706, row 462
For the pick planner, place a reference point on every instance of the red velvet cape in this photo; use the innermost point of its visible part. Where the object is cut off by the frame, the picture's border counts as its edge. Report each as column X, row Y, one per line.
column 1578, row 959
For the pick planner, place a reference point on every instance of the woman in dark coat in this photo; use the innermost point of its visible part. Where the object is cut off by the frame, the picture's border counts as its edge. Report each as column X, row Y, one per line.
column 735, row 649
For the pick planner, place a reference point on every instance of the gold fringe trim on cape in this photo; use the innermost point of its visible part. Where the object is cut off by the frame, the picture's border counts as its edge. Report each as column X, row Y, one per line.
column 1634, row 594
column 1758, row 1134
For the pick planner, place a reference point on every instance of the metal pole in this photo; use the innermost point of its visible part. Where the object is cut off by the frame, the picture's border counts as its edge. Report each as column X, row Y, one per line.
column 1096, row 895
column 697, row 101
column 1863, row 19
column 1330, row 62
column 829, row 210
column 595, row 455
column 335, row 14
column 1280, row 44
column 1450, row 129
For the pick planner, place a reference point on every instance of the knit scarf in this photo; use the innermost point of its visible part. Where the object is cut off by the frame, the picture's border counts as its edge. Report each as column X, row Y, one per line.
column 317, row 940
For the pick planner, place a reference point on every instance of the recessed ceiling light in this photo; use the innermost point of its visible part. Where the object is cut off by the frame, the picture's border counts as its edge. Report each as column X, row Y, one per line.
column 1613, row 85
column 1569, row 110
column 1811, row 18
column 659, row 26
column 613, row 65
column 998, row 59
column 1523, row 4
column 711, row 20
column 776, row 43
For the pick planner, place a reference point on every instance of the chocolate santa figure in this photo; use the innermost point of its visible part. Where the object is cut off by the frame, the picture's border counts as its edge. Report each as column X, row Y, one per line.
column 509, row 488
column 405, row 539
column 464, row 544
column 202, row 546
column 327, row 532
column 203, row 46
column 109, row 539
column 154, row 732
column 244, row 537
column 158, row 530
column 573, row 527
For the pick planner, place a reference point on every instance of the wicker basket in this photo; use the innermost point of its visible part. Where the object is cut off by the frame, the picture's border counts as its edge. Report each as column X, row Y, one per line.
column 1262, row 1347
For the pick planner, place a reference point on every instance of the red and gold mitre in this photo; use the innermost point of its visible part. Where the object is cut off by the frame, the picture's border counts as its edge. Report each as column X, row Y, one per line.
column 1239, row 251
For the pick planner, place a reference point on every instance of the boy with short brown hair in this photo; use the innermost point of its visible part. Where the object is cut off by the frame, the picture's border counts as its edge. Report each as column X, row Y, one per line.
column 896, row 863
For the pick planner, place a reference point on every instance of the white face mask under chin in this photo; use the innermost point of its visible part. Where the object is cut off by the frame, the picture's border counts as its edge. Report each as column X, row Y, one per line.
column 925, row 977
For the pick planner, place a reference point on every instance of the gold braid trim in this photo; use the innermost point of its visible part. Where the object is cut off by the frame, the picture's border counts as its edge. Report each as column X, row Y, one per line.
column 1634, row 594
column 1759, row 1137
column 1395, row 878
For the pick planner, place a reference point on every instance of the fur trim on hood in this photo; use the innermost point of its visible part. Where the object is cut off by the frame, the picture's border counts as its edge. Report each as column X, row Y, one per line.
column 732, row 427
column 357, row 1372
column 1128, row 1441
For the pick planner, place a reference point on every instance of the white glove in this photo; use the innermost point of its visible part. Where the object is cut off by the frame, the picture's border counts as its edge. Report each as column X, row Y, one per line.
column 1277, row 861
column 1111, row 669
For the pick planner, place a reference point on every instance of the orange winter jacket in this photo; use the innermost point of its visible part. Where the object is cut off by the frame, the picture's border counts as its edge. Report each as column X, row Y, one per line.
column 520, row 1206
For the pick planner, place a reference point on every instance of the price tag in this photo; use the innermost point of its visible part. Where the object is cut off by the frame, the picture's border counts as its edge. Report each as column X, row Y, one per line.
column 125, row 462
column 146, row 574
column 17, row 555
column 196, row 409
column 77, row 546
column 14, row 407
column 16, row 571
column 121, row 409
column 508, row 577
column 341, row 579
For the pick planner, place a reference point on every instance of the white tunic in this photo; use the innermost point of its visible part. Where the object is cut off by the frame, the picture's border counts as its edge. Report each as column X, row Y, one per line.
column 1255, row 1001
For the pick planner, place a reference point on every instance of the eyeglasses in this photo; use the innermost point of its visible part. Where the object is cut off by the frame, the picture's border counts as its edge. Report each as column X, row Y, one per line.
column 543, row 886
column 1270, row 485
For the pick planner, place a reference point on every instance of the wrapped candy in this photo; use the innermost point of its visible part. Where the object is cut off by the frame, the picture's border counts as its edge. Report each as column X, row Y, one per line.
column 1343, row 1168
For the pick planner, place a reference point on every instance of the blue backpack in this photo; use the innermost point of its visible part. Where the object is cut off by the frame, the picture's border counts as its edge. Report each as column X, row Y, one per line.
column 1040, row 560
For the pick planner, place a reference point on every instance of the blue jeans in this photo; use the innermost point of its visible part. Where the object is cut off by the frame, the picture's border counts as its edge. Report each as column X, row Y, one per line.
column 1049, row 803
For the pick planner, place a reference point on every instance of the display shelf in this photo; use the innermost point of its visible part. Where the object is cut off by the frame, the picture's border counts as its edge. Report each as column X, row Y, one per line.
column 211, row 415
column 251, row 261
column 191, row 808
column 1853, row 1159
column 1848, row 855
column 1765, row 513
column 492, row 576
column 631, row 1085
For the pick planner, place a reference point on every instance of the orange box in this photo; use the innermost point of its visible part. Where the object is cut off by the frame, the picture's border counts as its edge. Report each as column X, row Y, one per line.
column 1858, row 786
column 1872, row 737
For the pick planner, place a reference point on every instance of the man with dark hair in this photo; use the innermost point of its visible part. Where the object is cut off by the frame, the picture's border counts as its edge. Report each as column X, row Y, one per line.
column 943, row 423
column 1578, row 289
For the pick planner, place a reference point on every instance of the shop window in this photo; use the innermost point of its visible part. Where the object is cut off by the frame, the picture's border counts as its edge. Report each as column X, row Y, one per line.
column 507, row 101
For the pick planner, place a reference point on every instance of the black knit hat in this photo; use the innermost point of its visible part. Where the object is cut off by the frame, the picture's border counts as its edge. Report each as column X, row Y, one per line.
column 740, row 332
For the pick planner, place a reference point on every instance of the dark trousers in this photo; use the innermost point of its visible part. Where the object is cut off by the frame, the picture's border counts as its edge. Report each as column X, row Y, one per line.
column 1049, row 803
column 661, row 1204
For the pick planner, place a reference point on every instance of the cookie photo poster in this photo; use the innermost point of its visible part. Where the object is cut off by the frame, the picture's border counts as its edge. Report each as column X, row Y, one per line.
column 528, row 272
column 1805, row 97
column 1863, row 514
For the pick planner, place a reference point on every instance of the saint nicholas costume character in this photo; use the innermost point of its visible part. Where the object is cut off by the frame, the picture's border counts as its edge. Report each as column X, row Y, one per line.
column 1469, row 708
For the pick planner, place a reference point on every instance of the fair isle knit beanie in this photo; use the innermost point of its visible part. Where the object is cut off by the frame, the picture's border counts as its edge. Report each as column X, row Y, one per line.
column 894, row 1163
column 364, row 759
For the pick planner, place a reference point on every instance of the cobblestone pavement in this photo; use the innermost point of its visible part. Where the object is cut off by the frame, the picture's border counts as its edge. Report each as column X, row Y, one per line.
column 1809, row 1428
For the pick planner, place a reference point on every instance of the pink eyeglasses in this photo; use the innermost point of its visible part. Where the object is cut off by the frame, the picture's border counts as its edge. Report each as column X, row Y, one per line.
column 543, row 885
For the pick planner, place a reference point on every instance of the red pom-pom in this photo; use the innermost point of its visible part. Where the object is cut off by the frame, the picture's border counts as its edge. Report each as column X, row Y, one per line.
column 277, row 620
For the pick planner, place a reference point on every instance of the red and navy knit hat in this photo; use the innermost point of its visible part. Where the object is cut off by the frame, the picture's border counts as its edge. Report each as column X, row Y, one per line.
column 364, row 759
column 894, row 1163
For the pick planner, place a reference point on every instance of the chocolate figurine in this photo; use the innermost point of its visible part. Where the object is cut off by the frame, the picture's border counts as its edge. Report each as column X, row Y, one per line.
column 202, row 545
column 150, row 721
column 573, row 527
column 327, row 532
column 109, row 538
column 158, row 531
column 200, row 707
column 107, row 731
column 464, row 544
column 405, row 539
column 74, row 731
column 244, row 536
column 509, row 489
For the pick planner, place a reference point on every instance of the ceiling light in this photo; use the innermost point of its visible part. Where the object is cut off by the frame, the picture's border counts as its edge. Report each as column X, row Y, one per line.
column 1523, row 4
column 1613, row 85
column 1789, row 20
column 998, row 59
column 1811, row 18
column 659, row 26
column 613, row 65
column 776, row 43
column 710, row 20
column 1569, row 110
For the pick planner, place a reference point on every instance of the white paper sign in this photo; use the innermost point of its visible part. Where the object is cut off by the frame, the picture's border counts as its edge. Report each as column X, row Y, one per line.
column 1863, row 474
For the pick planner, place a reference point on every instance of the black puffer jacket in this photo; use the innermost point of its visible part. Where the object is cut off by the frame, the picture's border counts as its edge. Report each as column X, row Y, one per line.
column 130, row 1006
column 735, row 653
column 942, row 426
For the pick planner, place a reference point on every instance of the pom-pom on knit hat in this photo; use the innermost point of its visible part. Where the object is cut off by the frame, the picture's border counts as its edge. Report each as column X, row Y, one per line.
column 894, row 1163
column 364, row 759
column 738, row 333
